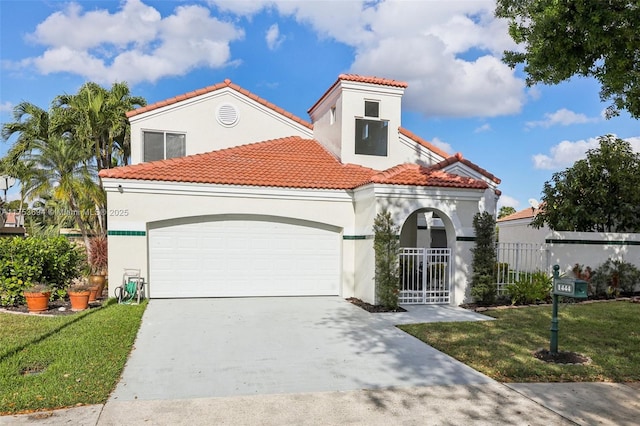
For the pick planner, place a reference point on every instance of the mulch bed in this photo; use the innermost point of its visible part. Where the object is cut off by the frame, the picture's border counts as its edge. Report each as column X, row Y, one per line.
column 561, row 357
column 56, row 308
column 373, row 308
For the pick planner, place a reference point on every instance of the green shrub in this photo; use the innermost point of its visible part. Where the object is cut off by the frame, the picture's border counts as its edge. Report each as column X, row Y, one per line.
column 613, row 277
column 530, row 289
column 25, row 261
column 386, row 244
column 483, row 284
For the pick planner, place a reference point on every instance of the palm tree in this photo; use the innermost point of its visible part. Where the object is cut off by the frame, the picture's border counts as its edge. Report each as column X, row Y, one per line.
column 96, row 116
column 32, row 126
column 62, row 170
column 31, row 123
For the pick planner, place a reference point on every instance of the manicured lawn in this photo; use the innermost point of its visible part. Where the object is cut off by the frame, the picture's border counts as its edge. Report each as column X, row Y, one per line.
column 75, row 359
column 608, row 333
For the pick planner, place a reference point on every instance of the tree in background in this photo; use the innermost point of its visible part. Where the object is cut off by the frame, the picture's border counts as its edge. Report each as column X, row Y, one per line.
column 96, row 117
column 590, row 38
column 386, row 246
column 56, row 153
column 599, row 193
column 505, row 211
column 62, row 171
column 483, row 282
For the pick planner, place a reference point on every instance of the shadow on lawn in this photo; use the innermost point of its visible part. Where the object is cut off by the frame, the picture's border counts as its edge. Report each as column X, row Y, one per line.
column 35, row 341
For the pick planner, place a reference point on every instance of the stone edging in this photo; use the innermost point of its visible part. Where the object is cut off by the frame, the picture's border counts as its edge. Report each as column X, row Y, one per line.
column 635, row 299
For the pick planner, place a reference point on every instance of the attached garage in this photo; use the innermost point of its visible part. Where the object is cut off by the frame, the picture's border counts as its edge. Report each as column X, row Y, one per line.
column 243, row 256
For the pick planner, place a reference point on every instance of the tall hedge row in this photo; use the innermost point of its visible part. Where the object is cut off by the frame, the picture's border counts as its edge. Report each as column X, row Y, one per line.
column 26, row 261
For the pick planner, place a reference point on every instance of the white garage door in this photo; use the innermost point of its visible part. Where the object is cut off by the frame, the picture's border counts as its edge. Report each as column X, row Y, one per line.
column 243, row 258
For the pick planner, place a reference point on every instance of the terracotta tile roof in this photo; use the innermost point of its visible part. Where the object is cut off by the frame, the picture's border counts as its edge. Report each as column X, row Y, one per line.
column 414, row 174
column 209, row 89
column 290, row 162
column 372, row 80
column 459, row 159
column 423, row 142
column 360, row 79
column 528, row 213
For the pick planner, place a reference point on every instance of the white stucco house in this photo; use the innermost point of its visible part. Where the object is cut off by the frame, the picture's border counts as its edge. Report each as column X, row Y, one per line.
column 516, row 228
column 229, row 195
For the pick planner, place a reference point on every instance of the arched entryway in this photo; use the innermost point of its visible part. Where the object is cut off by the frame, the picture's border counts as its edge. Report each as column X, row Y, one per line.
column 426, row 238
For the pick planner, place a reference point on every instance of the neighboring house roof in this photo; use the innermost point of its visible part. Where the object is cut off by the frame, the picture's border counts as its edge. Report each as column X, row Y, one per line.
column 13, row 218
column 528, row 213
column 290, row 162
column 219, row 86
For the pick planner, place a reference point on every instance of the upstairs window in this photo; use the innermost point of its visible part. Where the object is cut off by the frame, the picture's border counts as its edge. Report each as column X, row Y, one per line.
column 371, row 109
column 371, row 137
column 163, row 145
column 371, row 132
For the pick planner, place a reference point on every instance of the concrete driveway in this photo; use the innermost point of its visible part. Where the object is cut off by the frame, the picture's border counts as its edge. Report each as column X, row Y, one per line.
column 197, row 348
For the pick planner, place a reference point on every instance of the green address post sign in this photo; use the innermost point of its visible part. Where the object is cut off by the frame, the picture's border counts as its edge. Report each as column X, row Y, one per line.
column 564, row 287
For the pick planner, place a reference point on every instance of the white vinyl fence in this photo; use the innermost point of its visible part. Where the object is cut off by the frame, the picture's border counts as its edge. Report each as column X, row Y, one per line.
column 517, row 261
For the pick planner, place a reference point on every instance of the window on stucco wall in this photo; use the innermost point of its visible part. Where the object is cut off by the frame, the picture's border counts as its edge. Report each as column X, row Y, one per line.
column 163, row 145
column 371, row 134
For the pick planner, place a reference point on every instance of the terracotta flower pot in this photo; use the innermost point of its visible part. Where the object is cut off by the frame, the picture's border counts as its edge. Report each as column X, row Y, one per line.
column 37, row 302
column 79, row 300
column 97, row 282
column 93, row 293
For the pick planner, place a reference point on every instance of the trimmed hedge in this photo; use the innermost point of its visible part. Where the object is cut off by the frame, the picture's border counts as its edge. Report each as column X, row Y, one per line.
column 26, row 261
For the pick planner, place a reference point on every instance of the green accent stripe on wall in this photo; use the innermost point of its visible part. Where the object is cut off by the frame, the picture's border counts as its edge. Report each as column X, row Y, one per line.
column 594, row 242
column 127, row 233
column 466, row 239
column 357, row 237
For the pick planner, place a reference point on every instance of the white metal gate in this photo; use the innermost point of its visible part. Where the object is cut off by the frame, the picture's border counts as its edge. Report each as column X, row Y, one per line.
column 425, row 275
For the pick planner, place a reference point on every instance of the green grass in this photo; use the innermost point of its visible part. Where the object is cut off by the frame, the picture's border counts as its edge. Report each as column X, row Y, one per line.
column 80, row 356
column 608, row 333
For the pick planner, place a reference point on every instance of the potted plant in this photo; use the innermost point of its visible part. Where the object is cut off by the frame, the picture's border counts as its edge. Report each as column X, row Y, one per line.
column 79, row 294
column 98, row 259
column 37, row 296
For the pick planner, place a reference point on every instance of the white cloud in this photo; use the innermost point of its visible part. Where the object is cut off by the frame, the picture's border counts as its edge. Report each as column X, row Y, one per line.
column 562, row 117
column 566, row 153
column 133, row 44
column 534, row 93
column 484, row 128
column 240, row 7
column 442, row 145
column 273, row 37
column 448, row 52
column 507, row 201
column 6, row 106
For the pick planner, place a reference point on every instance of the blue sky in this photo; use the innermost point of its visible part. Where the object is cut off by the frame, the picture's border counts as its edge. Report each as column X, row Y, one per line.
column 460, row 96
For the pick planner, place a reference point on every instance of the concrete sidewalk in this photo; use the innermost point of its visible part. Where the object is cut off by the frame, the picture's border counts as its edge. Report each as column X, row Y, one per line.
column 483, row 404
